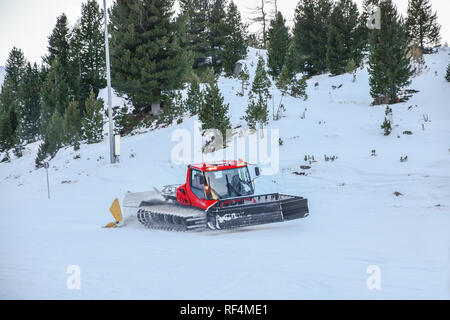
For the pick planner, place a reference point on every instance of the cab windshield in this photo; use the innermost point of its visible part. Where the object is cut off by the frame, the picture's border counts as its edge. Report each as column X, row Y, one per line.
column 228, row 183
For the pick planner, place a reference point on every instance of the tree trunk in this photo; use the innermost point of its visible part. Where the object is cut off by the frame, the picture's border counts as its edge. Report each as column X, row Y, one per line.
column 156, row 108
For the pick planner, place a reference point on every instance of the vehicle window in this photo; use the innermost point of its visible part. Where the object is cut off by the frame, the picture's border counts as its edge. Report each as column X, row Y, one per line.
column 196, row 186
column 229, row 183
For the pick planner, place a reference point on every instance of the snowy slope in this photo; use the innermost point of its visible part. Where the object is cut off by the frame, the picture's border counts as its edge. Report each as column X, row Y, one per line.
column 355, row 220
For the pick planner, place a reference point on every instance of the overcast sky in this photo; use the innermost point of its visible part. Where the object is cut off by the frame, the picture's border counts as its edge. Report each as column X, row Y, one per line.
column 26, row 24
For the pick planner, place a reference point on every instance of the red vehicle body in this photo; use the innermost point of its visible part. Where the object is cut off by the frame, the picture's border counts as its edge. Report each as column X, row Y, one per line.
column 185, row 193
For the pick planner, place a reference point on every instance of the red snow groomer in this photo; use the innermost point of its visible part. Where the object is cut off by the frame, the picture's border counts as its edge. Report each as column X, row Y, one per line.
column 216, row 196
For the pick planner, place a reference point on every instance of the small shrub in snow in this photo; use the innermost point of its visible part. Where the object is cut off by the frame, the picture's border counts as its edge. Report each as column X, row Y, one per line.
column 387, row 126
column 407, row 132
column 303, row 116
column 309, row 158
column 330, row 158
column 279, row 114
column 280, row 141
column 374, row 153
column 404, row 159
column 244, row 77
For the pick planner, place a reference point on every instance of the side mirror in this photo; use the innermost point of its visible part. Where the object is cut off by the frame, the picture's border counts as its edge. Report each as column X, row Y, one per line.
column 257, row 171
column 202, row 179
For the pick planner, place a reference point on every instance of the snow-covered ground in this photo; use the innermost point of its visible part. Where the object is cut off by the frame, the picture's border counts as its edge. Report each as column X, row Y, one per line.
column 355, row 219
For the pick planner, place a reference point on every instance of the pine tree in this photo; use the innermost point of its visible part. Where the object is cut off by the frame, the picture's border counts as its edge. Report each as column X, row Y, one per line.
column 55, row 134
column 41, row 154
column 174, row 108
column 194, row 96
column 447, row 75
column 87, row 50
column 291, row 63
column 92, row 122
column 261, row 82
column 55, row 95
column 59, row 52
column 217, row 31
column 213, row 113
column 278, row 45
column 257, row 111
column 14, row 71
column 146, row 57
column 311, row 34
column 298, row 87
column 344, row 42
column 58, row 45
column 421, row 24
column 235, row 47
column 11, row 104
column 389, row 67
column 8, row 126
column 19, row 141
column 244, row 77
column 351, row 68
column 72, row 125
column 124, row 121
column 30, row 92
column 292, row 84
column 195, row 17
column 53, row 139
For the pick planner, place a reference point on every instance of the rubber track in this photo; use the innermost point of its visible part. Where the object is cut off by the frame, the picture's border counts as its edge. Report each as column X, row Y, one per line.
column 155, row 219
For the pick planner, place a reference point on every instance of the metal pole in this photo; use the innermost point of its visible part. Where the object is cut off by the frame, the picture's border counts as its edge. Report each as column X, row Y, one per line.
column 48, row 186
column 46, row 165
column 108, row 77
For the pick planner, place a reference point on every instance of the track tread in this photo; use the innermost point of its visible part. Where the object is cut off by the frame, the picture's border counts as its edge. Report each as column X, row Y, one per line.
column 170, row 217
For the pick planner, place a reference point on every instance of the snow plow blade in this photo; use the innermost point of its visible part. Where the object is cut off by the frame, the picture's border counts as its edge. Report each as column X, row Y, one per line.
column 247, row 211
